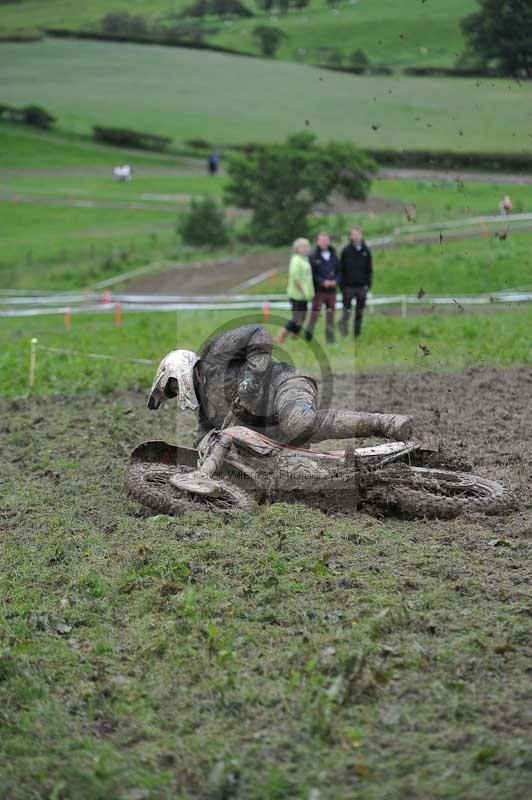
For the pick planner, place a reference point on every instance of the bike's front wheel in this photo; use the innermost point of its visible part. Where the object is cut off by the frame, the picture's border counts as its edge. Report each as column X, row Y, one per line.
column 423, row 492
column 168, row 490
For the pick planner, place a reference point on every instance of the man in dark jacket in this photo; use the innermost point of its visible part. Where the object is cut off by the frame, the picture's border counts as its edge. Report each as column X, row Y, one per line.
column 274, row 398
column 325, row 265
column 355, row 278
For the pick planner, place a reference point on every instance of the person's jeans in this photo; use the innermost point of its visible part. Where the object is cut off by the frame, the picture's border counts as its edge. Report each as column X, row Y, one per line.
column 327, row 299
column 299, row 312
column 350, row 293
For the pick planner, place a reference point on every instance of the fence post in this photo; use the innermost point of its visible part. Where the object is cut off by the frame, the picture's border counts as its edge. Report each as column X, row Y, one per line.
column 33, row 361
column 403, row 306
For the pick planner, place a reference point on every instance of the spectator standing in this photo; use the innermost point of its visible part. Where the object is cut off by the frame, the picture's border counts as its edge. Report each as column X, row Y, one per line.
column 300, row 288
column 325, row 268
column 213, row 163
column 355, row 279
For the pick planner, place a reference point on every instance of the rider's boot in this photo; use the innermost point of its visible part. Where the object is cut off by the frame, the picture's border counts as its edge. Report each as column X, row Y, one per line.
column 397, row 426
column 343, row 424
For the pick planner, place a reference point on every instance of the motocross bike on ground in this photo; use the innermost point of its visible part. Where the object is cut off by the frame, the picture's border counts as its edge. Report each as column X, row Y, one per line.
column 236, row 468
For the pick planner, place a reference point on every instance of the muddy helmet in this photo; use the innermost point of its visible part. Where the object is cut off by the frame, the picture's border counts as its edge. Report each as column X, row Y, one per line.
column 178, row 364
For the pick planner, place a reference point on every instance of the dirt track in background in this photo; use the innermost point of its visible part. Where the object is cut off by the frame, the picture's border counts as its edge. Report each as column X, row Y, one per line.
column 197, row 166
column 210, row 277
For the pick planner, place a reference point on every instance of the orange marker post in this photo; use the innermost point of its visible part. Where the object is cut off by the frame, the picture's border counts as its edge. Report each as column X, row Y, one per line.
column 266, row 310
column 67, row 318
column 118, row 315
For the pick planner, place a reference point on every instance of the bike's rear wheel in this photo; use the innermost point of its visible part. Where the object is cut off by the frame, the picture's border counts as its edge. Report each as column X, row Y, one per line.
column 149, row 484
column 423, row 492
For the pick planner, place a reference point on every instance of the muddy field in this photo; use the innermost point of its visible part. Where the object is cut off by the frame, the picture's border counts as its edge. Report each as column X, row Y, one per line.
column 283, row 654
column 481, row 415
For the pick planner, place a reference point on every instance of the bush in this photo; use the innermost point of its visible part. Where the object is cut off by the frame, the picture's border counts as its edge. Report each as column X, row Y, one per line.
column 223, row 8
column 199, row 9
column 122, row 22
column 125, row 137
column 37, row 116
column 199, row 144
column 184, row 32
column 232, row 8
column 359, row 61
column 380, row 69
column 282, row 182
column 333, row 56
column 204, row 224
column 268, row 38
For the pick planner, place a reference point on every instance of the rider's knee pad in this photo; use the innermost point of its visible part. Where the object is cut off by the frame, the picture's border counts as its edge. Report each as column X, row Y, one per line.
column 297, row 419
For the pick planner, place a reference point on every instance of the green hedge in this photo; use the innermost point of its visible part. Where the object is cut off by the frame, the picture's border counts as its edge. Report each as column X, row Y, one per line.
column 443, row 159
column 450, row 72
column 21, row 35
column 36, row 116
column 125, row 137
column 372, row 69
column 436, row 159
column 159, row 38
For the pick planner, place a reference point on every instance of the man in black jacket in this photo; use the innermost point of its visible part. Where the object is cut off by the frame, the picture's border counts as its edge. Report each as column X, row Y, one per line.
column 325, row 265
column 356, row 275
column 274, row 398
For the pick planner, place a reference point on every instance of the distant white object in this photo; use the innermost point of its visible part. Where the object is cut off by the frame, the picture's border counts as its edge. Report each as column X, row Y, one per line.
column 505, row 206
column 123, row 173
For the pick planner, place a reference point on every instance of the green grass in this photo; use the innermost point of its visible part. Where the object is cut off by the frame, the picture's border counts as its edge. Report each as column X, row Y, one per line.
column 397, row 34
column 187, row 94
column 436, row 199
column 145, row 188
column 61, row 247
column 455, row 340
column 402, row 34
column 64, row 247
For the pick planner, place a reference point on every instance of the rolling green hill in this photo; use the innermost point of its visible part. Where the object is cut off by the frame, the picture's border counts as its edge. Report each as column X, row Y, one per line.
column 400, row 34
column 232, row 99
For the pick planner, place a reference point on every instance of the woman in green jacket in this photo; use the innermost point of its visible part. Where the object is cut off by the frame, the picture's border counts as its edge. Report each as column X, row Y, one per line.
column 300, row 289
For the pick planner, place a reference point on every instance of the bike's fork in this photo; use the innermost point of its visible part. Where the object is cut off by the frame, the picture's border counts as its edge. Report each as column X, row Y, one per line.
column 200, row 480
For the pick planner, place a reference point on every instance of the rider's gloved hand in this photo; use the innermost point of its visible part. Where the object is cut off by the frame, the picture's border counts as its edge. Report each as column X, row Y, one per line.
column 248, row 392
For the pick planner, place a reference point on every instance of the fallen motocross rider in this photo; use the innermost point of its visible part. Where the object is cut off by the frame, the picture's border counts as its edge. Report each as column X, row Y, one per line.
column 236, row 370
column 254, row 415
